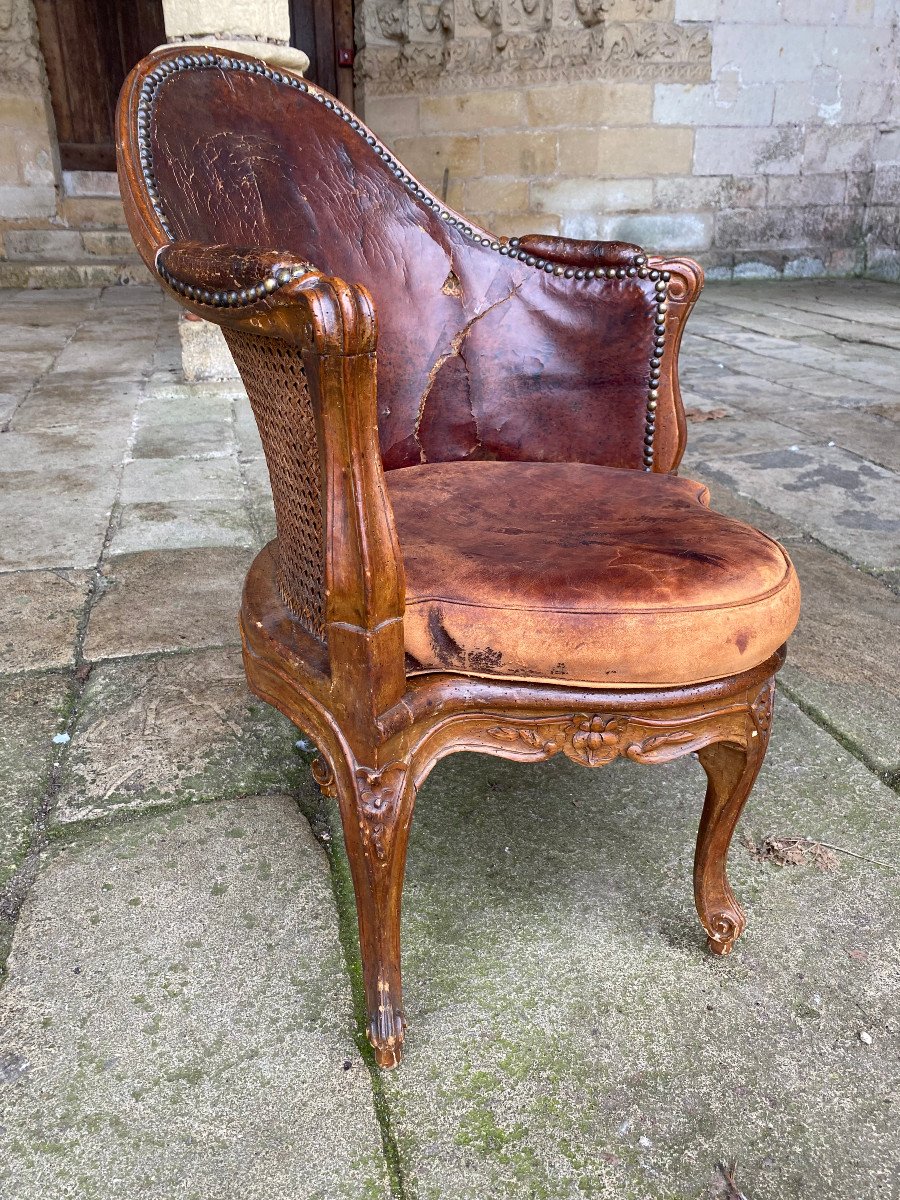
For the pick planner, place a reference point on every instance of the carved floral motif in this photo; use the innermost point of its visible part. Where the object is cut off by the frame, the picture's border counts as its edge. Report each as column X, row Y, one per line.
column 379, row 795
column 596, row 740
column 762, row 709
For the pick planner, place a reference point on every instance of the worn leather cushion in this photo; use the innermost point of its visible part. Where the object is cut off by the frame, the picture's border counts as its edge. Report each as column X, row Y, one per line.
column 580, row 573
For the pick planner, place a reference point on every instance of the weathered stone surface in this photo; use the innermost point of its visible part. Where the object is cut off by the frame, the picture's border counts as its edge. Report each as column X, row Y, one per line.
column 735, row 434
column 844, row 660
column 181, row 439
column 249, row 441
column 31, row 708
column 162, row 731
column 256, row 477
column 167, row 600
column 847, row 503
column 161, row 480
column 178, row 1021
column 181, row 525
column 204, row 353
column 39, row 616
column 570, row 1036
column 55, row 518
column 869, row 435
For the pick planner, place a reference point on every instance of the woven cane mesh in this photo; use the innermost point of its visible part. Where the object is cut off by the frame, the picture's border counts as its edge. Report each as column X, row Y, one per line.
column 273, row 375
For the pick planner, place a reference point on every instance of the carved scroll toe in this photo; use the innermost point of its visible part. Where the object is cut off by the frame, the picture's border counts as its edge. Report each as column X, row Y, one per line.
column 387, row 1028
column 324, row 776
column 723, row 929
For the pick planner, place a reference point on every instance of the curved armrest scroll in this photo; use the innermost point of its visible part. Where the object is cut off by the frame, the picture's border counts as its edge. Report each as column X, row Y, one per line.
column 570, row 252
column 270, row 292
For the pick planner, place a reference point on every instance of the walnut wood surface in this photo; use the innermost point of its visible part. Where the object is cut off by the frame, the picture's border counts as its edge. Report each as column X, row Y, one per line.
column 260, row 198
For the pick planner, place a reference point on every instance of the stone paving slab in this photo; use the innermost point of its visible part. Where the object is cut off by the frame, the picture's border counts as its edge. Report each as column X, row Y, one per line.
column 844, row 657
column 847, row 503
column 259, row 493
column 55, row 518
column 569, row 1035
column 867, row 434
column 182, row 525
column 162, row 480
column 164, row 730
column 737, row 433
column 247, row 431
column 39, row 616
column 173, row 439
column 167, row 600
column 177, row 1022
column 70, row 446
column 88, row 404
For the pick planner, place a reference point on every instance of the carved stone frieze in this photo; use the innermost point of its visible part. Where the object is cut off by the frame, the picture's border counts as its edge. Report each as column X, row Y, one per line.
column 459, row 44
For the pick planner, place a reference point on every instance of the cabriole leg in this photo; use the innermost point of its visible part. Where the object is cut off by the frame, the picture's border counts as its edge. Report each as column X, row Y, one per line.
column 376, row 811
column 731, row 771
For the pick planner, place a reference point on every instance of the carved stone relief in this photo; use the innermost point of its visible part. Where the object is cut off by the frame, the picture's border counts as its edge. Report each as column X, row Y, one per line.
column 453, row 45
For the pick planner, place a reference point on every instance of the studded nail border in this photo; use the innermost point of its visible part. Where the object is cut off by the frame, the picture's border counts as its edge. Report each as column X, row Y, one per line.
column 226, row 299
column 510, row 248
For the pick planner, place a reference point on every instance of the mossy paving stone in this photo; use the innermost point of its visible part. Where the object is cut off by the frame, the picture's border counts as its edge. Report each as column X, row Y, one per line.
column 177, row 1023
column 171, row 729
column 31, row 713
column 569, row 1034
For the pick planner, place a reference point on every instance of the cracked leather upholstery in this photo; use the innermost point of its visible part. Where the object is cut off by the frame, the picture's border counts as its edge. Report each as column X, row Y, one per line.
column 479, row 356
column 579, row 573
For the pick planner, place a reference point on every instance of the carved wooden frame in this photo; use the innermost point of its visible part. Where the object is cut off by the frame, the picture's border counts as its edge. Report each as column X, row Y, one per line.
column 380, row 731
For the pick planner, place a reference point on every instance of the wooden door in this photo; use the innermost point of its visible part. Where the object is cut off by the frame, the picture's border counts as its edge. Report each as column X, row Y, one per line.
column 323, row 29
column 89, row 46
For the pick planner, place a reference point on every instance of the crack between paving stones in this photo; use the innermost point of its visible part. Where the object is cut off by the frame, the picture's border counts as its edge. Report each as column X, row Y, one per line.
column 889, row 778
column 20, row 404
column 316, row 812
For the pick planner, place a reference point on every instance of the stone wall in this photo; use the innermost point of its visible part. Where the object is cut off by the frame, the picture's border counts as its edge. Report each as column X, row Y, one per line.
column 28, row 169
column 760, row 136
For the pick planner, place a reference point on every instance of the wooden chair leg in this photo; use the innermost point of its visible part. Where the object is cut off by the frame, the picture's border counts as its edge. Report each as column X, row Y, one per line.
column 376, row 812
column 731, row 771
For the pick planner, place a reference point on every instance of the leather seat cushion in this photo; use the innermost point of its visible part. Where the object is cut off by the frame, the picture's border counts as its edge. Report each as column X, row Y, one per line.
column 575, row 573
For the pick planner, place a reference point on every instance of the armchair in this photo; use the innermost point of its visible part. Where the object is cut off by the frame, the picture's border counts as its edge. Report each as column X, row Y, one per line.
column 482, row 542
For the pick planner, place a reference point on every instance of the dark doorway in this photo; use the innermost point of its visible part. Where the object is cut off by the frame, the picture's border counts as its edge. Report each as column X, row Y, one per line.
column 89, row 46
column 323, row 29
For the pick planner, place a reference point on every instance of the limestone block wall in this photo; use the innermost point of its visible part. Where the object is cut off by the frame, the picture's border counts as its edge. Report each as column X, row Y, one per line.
column 761, row 136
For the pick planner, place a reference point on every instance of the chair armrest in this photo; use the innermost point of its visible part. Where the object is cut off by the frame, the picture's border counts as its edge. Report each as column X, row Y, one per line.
column 329, row 328
column 569, row 252
column 226, row 276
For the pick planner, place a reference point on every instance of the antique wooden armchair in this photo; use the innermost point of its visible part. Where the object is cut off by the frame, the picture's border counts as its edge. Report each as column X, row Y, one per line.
column 482, row 543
